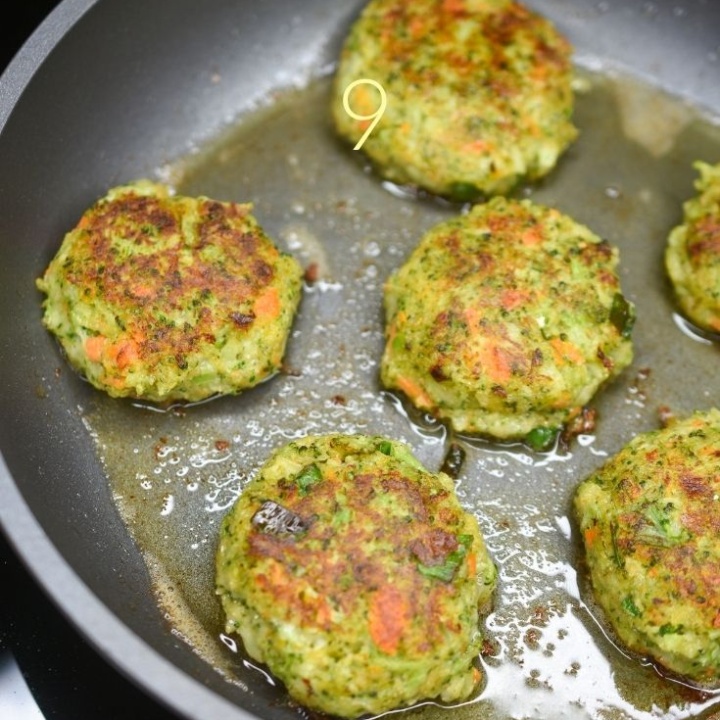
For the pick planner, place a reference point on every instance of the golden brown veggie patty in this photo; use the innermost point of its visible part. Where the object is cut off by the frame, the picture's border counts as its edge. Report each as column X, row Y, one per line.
column 478, row 92
column 692, row 257
column 506, row 321
column 650, row 522
column 356, row 576
column 165, row 297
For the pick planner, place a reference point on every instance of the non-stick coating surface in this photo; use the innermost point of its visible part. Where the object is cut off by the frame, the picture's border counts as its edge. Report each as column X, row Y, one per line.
column 114, row 90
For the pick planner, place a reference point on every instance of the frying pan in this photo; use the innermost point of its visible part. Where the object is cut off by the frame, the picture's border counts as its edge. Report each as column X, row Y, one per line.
column 108, row 91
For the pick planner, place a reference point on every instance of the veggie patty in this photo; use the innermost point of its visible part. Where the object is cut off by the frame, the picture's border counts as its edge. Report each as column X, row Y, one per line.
column 650, row 523
column 479, row 93
column 692, row 257
column 506, row 321
column 162, row 297
column 356, row 576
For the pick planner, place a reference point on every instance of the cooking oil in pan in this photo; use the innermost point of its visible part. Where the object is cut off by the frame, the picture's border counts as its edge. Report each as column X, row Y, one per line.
column 174, row 474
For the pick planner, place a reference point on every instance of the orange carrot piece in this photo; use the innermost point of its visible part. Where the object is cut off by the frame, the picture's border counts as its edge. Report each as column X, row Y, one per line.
column 142, row 291
column 495, row 362
column 565, row 351
column 322, row 608
column 532, row 236
column 591, row 535
column 417, row 27
column 511, row 299
column 267, row 304
column 472, row 316
column 362, row 102
column 476, row 146
column 414, row 392
column 276, row 581
column 127, row 353
column 94, row 348
column 454, row 6
column 389, row 617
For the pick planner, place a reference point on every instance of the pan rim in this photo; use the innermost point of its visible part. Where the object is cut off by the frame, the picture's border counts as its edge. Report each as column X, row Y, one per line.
column 36, row 49
column 116, row 642
column 125, row 650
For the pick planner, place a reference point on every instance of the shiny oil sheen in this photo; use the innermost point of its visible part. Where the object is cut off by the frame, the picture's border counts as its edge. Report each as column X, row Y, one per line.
column 175, row 473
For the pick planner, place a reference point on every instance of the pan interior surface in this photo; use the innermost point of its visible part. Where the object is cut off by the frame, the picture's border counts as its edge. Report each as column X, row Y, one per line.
column 183, row 470
column 141, row 491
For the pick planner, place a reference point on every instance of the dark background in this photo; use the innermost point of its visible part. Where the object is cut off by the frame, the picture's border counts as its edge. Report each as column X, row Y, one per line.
column 19, row 20
column 67, row 678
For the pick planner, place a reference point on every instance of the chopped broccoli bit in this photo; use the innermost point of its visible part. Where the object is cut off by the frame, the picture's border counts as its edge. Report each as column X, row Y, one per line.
column 385, row 447
column 541, row 438
column 622, row 315
column 629, row 606
column 446, row 570
column 463, row 192
column 661, row 529
column 668, row 629
column 307, row 477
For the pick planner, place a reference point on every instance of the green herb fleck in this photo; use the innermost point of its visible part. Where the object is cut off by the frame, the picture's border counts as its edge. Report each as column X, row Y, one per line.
column 629, row 606
column 307, row 477
column 463, row 192
column 668, row 629
column 385, row 447
column 541, row 438
column 661, row 529
column 622, row 315
column 446, row 570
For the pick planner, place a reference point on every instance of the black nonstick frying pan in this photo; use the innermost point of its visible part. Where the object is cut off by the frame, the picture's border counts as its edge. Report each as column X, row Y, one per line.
column 228, row 99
